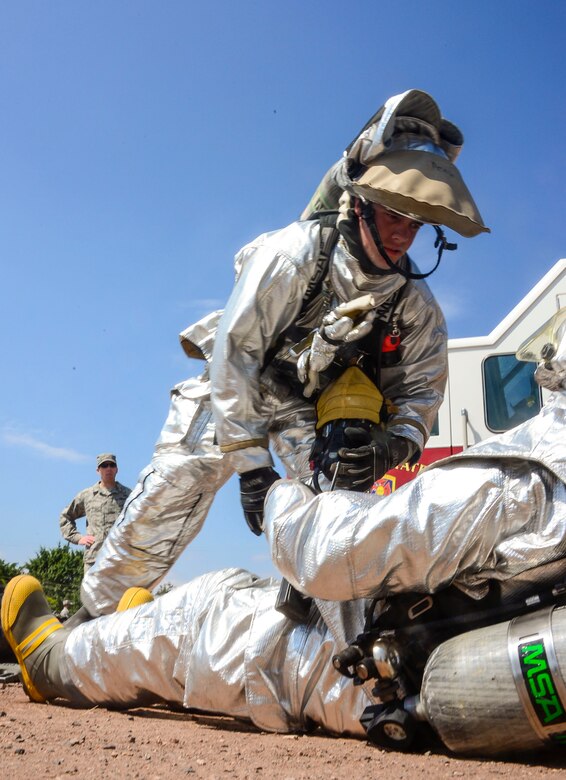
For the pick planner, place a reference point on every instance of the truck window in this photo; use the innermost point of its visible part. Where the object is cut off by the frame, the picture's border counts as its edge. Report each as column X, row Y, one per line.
column 510, row 391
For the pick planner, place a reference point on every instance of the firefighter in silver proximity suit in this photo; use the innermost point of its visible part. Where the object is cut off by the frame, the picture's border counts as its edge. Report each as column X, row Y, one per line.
column 217, row 644
column 260, row 385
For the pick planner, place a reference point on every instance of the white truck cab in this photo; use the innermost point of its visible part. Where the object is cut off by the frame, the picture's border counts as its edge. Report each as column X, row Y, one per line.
column 489, row 391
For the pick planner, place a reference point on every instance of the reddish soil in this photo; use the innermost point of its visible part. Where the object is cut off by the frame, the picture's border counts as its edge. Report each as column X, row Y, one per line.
column 58, row 741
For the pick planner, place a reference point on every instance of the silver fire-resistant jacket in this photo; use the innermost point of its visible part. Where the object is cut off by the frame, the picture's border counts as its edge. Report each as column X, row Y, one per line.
column 494, row 511
column 273, row 273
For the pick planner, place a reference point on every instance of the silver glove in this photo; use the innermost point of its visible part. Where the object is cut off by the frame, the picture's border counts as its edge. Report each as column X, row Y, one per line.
column 337, row 328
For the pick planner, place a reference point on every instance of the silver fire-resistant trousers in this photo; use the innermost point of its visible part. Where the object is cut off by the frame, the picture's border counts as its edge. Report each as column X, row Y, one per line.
column 167, row 507
column 217, row 645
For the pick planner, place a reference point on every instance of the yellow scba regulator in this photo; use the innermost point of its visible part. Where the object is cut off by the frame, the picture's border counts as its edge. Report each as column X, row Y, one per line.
column 351, row 397
column 349, row 414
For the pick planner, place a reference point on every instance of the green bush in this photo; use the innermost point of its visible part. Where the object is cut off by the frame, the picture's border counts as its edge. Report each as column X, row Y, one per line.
column 7, row 571
column 60, row 571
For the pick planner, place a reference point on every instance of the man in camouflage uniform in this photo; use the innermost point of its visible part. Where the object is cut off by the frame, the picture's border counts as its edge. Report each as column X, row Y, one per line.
column 100, row 504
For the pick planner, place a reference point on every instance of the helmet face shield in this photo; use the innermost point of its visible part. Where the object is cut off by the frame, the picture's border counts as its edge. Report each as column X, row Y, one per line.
column 547, row 347
column 545, row 343
column 413, row 142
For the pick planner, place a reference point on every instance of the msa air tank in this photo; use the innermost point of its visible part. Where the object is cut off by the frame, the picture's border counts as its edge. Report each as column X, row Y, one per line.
column 500, row 689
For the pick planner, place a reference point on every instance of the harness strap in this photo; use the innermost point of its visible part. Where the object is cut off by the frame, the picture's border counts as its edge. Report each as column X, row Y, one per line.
column 384, row 321
column 328, row 239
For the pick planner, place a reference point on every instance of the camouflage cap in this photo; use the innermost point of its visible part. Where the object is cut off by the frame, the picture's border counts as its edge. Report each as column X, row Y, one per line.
column 106, row 456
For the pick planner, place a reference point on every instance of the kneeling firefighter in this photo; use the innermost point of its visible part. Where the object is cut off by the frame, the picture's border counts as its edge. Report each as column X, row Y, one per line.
column 395, row 176
column 292, row 325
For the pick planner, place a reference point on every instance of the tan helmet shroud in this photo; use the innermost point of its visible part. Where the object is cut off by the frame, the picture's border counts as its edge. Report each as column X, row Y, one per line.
column 350, row 397
column 404, row 160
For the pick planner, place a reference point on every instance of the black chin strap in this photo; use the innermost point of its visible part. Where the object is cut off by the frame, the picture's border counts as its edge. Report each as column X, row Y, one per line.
column 441, row 244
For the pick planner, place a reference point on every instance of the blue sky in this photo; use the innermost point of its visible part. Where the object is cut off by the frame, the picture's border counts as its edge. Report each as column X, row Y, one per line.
column 143, row 143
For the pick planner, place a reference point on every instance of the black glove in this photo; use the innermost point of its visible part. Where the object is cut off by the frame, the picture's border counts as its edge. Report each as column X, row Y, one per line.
column 400, row 450
column 359, row 466
column 361, row 462
column 253, row 490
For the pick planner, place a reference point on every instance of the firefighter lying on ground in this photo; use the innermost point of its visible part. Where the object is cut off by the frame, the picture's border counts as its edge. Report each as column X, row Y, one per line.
column 285, row 334
column 217, row 644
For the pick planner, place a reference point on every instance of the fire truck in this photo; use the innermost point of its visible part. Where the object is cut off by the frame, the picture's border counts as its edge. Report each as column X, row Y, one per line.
column 489, row 391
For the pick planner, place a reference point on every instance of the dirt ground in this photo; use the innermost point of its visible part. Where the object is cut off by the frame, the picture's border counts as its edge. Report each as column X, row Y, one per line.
column 58, row 741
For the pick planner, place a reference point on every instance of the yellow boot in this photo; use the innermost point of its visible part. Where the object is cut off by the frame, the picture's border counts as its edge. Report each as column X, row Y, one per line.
column 33, row 632
column 134, row 597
